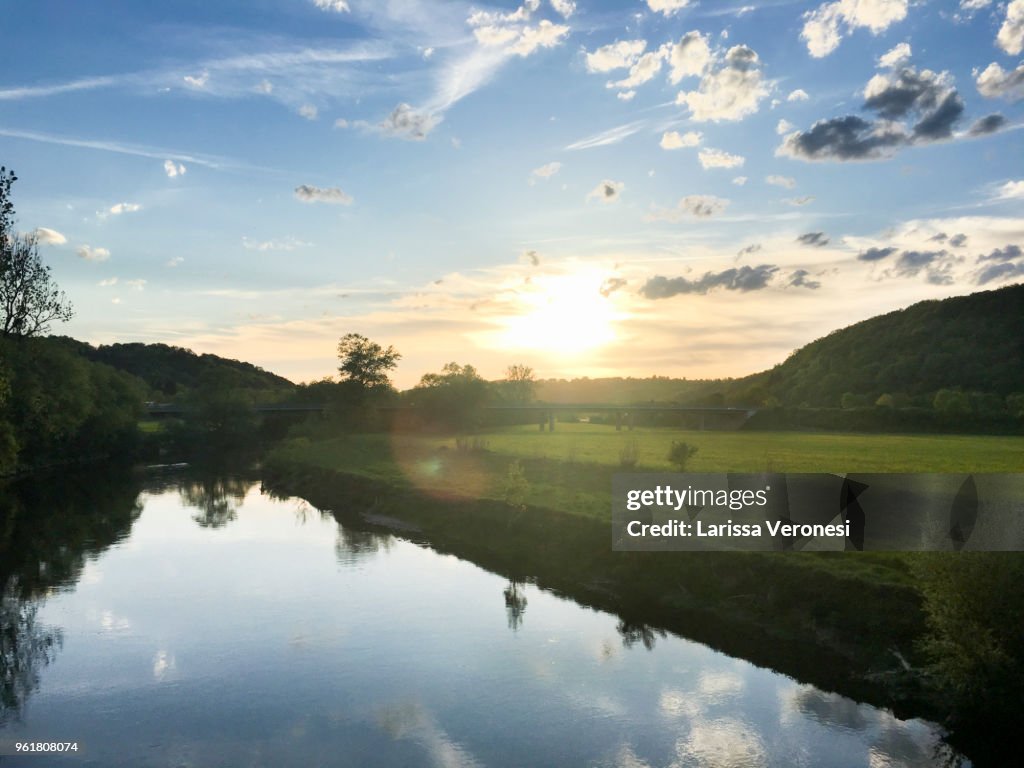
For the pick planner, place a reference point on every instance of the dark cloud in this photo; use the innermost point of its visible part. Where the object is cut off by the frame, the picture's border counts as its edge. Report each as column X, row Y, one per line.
column 532, row 257
column 749, row 250
column 799, row 280
column 737, row 279
column 611, row 285
column 936, row 266
column 958, row 241
column 405, row 122
column 310, row 194
column 939, row 238
column 999, row 272
column 877, row 254
column 988, row 124
column 909, row 107
column 1007, row 253
column 813, row 238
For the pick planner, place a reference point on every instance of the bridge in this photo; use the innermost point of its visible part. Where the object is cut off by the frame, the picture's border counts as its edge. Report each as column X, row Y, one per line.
column 625, row 415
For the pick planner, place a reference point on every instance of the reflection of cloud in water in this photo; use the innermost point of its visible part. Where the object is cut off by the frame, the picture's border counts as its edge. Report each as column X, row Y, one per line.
column 715, row 686
column 673, row 703
column 829, row 709
column 410, row 721
column 110, row 622
column 723, row 743
column 164, row 665
column 624, row 758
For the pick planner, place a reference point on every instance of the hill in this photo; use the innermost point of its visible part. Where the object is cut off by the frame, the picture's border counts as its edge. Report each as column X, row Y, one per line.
column 168, row 370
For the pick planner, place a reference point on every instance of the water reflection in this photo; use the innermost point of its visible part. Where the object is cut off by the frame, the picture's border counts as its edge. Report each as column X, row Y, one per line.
column 515, row 603
column 217, row 498
column 25, row 647
column 634, row 632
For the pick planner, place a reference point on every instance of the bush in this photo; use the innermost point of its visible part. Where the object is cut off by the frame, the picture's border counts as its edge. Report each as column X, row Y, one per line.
column 680, row 454
column 628, row 455
column 516, row 486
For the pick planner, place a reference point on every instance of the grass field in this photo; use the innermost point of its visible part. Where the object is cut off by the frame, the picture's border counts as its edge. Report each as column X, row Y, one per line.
column 571, row 469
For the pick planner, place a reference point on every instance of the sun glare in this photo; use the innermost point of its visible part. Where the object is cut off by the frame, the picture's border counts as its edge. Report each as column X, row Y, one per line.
column 562, row 313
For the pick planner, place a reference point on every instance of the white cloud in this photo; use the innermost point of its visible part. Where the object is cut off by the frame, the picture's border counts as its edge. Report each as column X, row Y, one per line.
column 800, row 201
column 47, row 236
column 615, row 55
column 716, row 158
column 644, row 70
column 667, row 7
column 1011, row 33
column 332, row 195
column 896, row 56
column 689, row 57
column 309, row 111
column 1011, row 190
column 974, row 5
column 611, row 136
column 995, row 82
column 512, row 33
column 89, row 253
column 625, row 95
column 135, row 285
column 544, row 172
column 198, row 81
column 564, row 7
column 406, row 122
column 173, row 169
column 676, row 140
column 780, row 181
column 607, row 191
column 730, row 91
column 739, row 181
column 798, row 95
column 283, row 244
column 338, row 6
column 174, row 261
column 544, row 35
column 107, row 283
column 119, row 208
column 691, row 206
column 824, row 27
column 784, row 127
column 265, row 87
column 341, row 122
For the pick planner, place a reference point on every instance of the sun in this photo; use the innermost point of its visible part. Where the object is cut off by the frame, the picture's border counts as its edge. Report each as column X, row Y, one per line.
column 566, row 314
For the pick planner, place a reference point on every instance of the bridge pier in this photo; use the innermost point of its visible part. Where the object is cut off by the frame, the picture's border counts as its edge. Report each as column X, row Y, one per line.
column 618, row 421
column 551, row 421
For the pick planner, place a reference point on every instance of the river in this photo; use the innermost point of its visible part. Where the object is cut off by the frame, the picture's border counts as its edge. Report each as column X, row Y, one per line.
column 176, row 621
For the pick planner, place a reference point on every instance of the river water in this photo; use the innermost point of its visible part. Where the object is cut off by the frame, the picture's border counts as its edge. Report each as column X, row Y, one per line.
column 197, row 622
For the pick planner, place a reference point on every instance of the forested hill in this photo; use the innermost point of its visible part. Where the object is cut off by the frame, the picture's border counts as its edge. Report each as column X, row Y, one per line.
column 971, row 343
column 167, row 369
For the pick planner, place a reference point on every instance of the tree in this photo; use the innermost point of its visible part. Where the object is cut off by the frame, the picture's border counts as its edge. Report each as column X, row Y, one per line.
column 29, row 300
column 519, row 383
column 365, row 362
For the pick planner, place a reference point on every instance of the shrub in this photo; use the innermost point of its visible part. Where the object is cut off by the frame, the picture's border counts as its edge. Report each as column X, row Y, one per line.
column 628, row 455
column 680, row 454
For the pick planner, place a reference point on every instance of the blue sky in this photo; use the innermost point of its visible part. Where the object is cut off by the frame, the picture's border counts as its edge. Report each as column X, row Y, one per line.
column 591, row 188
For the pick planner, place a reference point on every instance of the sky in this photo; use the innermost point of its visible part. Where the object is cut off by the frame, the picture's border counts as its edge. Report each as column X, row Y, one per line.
column 649, row 187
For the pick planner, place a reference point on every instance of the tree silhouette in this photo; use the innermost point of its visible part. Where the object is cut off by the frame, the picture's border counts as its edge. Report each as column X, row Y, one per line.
column 29, row 300
column 365, row 362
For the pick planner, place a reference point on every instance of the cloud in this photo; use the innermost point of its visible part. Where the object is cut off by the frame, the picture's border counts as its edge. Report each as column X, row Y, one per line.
column 996, row 83
column 936, row 266
column 1011, row 33
column 511, row 31
column 689, row 57
column 739, row 181
column 798, row 279
column 173, row 169
column 544, row 172
column 676, row 140
column 644, row 70
column 824, row 27
column 1011, row 190
column 406, row 122
column 611, row 285
column 625, row 95
column 729, row 89
column 958, row 241
column 799, row 201
column 896, row 56
column 107, row 283
column 986, row 125
column 332, row 195
column 309, row 111
column 667, row 7
column 798, row 95
column 780, row 181
column 613, row 56
column 119, row 208
column 783, row 127
column 717, row 158
column 89, row 253
column 532, row 257
column 741, row 279
column 607, row 191
column 174, row 261
column 611, row 136
column 1006, row 253
column 565, row 8
column 284, row 244
column 817, row 239
column 338, row 6
column 199, row 81
column 135, row 285
column 691, row 206
column 876, row 254
column 912, row 108
column 1004, row 271
column 47, row 236
column 748, row 250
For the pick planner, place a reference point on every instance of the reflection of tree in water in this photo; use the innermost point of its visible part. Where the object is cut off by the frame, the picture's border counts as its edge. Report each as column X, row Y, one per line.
column 49, row 528
column 353, row 544
column 515, row 603
column 637, row 632
column 25, row 647
column 216, row 498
